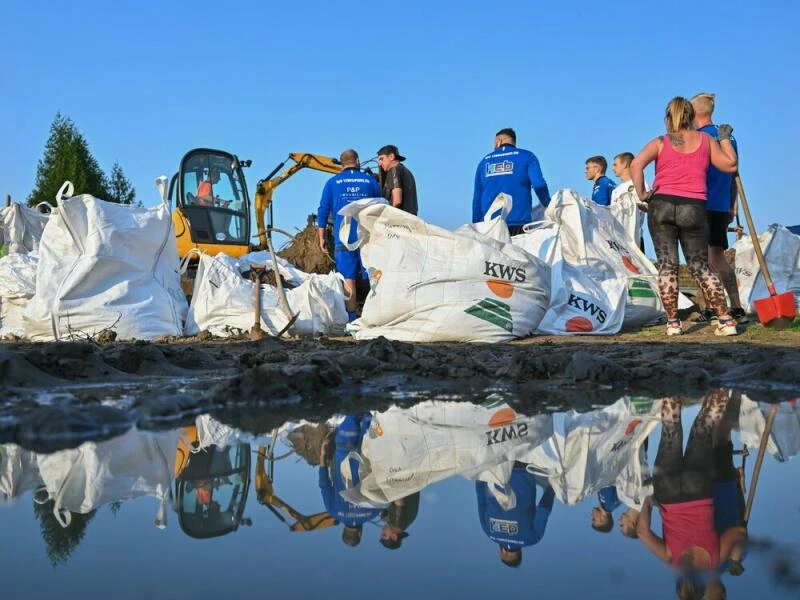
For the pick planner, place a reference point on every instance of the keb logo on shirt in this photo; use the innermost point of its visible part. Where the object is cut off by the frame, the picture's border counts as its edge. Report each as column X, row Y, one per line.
column 503, row 526
column 501, row 168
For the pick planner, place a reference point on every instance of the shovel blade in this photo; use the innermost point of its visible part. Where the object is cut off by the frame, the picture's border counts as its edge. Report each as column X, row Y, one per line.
column 776, row 309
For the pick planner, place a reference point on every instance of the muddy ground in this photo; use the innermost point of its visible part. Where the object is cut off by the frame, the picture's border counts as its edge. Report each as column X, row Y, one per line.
column 74, row 389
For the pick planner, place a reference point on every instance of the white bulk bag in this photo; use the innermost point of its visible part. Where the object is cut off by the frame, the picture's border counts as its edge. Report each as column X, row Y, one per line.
column 17, row 286
column 105, row 265
column 223, row 302
column 19, row 472
column 21, row 228
column 784, row 439
column 407, row 449
column 430, row 284
column 781, row 250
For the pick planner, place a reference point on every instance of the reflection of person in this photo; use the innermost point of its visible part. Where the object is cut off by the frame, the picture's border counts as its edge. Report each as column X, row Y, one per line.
column 603, row 515
column 346, row 439
column 342, row 189
column 513, row 171
column 399, row 516
column 683, row 492
column 720, row 209
column 399, row 186
column 677, row 211
column 603, row 186
column 520, row 526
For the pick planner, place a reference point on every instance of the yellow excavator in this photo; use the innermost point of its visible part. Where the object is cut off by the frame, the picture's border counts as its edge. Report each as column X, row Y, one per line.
column 212, row 205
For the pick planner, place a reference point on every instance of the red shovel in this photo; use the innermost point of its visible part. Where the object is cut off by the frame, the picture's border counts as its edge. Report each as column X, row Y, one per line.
column 779, row 310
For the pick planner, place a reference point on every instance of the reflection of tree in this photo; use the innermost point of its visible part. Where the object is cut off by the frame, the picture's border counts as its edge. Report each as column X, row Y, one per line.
column 114, row 507
column 60, row 541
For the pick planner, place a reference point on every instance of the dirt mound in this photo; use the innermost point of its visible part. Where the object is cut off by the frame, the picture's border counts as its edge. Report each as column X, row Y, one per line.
column 307, row 441
column 304, row 251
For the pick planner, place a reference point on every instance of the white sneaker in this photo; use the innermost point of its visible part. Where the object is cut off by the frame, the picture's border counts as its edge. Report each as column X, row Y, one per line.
column 674, row 327
column 726, row 327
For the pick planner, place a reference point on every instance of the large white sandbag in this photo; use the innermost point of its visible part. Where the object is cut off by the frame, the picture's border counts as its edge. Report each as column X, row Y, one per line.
column 781, row 250
column 784, row 439
column 407, row 449
column 432, row 284
column 21, row 228
column 106, row 266
column 19, row 472
column 17, row 286
column 223, row 302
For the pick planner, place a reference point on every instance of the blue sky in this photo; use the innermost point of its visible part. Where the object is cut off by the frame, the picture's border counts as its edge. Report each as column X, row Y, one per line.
column 146, row 82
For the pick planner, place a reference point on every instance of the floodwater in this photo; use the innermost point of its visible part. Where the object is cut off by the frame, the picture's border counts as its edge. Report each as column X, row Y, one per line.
column 208, row 510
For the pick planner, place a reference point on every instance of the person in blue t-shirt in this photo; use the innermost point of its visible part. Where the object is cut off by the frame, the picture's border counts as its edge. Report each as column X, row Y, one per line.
column 341, row 189
column 603, row 186
column 721, row 208
column 602, row 516
column 346, row 438
column 513, row 171
column 517, row 527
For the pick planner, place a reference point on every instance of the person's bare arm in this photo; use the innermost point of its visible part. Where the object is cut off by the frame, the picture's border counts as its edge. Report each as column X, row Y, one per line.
column 647, row 155
column 397, row 197
column 723, row 155
column 653, row 543
column 732, row 542
column 322, row 245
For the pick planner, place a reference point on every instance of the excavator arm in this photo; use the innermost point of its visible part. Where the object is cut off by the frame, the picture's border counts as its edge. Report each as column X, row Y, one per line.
column 265, row 188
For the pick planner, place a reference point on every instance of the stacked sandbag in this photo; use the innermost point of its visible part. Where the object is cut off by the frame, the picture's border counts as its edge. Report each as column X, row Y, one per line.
column 21, row 228
column 104, row 265
column 781, row 250
column 601, row 280
column 430, row 284
column 223, row 301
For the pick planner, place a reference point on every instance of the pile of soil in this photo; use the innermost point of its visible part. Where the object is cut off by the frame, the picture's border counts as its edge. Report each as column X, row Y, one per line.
column 307, row 441
column 304, row 251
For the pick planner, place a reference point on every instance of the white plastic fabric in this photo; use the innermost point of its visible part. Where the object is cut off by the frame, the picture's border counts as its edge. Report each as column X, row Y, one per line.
column 132, row 465
column 19, row 472
column 784, row 439
column 17, row 286
column 597, row 449
column 407, row 449
column 106, row 266
column 624, row 208
column 21, row 228
column 601, row 280
column 430, row 284
column 781, row 250
column 223, row 302
column 291, row 274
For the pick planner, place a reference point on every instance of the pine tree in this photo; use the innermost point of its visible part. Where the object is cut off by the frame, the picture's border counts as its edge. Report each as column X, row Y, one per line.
column 119, row 187
column 67, row 157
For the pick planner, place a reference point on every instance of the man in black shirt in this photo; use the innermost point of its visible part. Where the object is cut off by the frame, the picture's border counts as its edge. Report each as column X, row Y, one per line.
column 399, row 187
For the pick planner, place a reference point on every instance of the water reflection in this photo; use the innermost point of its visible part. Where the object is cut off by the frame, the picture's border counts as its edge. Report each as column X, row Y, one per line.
column 625, row 463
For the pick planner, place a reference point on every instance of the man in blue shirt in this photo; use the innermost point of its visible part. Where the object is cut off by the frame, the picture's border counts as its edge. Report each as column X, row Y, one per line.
column 513, row 171
column 347, row 438
column 341, row 189
column 517, row 527
column 603, row 186
column 721, row 208
column 602, row 516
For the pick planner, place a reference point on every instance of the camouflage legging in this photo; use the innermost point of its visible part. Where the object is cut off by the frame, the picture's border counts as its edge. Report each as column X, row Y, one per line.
column 670, row 219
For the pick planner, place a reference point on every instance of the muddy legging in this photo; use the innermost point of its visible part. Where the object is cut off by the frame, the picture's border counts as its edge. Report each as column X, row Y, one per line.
column 679, row 477
column 673, row 218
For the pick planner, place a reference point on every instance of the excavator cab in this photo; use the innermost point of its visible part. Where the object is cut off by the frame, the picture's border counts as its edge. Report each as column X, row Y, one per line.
column 211, row 203
column 211, row 487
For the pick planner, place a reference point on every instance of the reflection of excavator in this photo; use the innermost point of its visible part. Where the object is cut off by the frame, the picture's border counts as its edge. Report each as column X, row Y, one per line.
column 211, row 486
column 212, row 205
column 266, row 496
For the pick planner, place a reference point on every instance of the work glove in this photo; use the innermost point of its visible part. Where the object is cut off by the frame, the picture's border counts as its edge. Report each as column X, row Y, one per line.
column 724, row 132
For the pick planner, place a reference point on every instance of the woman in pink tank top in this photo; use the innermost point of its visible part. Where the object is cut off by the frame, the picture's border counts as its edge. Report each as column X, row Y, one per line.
column 677, row 208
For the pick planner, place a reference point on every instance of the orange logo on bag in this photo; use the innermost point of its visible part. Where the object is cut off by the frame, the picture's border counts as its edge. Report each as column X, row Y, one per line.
column 578, row 325
column 629, row 265
column 500, row 288
column 504, row 416
column 375, row 431
column 632, row 426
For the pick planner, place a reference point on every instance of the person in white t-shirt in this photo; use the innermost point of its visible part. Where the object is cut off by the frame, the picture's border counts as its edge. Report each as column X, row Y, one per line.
column 622, row 170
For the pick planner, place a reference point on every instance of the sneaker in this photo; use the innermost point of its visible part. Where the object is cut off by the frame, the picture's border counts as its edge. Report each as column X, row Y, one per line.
column 707, row 316
column 740, row 316
column 726, row 327
column 674, row 327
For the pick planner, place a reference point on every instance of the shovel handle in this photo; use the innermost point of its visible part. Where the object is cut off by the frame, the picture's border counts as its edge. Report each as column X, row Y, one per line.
column 762, row 263
column 762, row 449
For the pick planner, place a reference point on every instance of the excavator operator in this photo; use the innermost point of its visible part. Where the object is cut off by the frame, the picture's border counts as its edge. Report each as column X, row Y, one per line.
column 205, row 191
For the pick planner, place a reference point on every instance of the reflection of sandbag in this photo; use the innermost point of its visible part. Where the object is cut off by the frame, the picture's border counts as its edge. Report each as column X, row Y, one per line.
column 407, row 449
column 132, row 465
column 594, row 449
column 782, row 252
column 431, row 284
column 784, row 440
column 19, row 472
column 222, row 302
column 106, row 265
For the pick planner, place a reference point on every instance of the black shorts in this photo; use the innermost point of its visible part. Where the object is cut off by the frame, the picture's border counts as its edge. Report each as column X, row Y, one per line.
column 717, row 229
